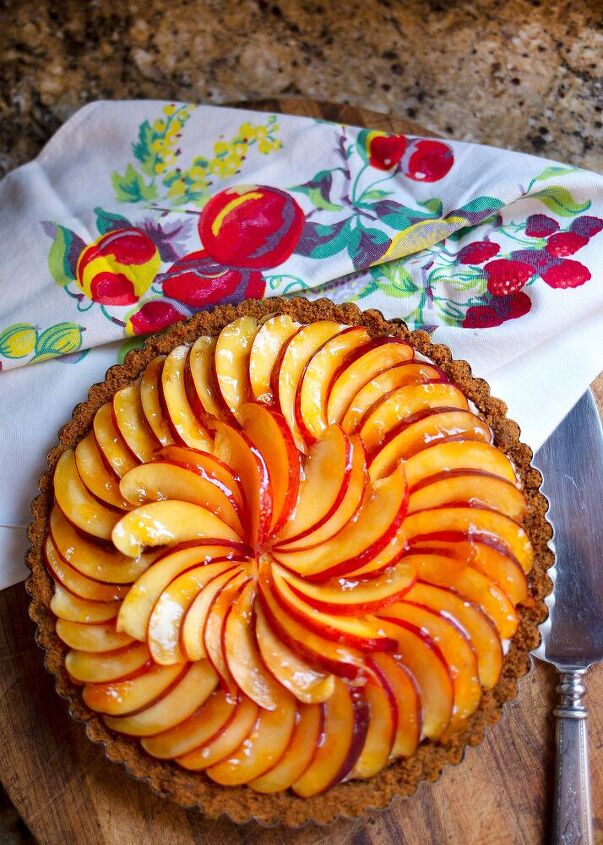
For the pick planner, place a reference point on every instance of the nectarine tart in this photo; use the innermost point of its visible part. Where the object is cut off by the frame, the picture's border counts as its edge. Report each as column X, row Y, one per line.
column 289, row 559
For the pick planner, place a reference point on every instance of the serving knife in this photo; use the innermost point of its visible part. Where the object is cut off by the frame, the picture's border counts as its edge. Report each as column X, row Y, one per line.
column 571, row 463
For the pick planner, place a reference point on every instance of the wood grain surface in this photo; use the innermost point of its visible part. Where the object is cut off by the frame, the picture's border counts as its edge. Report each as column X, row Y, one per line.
column 69, row 794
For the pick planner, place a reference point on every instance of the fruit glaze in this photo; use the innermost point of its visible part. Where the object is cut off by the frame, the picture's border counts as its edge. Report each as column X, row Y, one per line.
column 287, row 555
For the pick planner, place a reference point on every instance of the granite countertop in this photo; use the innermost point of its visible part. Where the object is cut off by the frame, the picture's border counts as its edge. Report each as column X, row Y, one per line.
column 523, row 75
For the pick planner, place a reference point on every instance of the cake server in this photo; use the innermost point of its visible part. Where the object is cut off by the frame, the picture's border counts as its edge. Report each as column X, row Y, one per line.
column 571, row 462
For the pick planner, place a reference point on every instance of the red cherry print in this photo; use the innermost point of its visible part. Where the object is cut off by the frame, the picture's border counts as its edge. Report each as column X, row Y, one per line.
column 565, row 243
column 385, row 151
column 477, row 252
column 566, row 274
column 198, row 281
column 587, row 226
column 427, row 161
column 251, row 226
column 540, row 226
column 505, row 277
column 154, row 316
column 500, row 309
column 481, row 317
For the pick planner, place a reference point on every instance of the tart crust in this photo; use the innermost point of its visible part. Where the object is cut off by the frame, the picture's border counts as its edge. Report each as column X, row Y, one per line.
column 348, row 799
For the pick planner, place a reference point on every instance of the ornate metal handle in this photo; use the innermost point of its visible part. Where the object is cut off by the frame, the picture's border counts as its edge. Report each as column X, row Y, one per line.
column 572, row 813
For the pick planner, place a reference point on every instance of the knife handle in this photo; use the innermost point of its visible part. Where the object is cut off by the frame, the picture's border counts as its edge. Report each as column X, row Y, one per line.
column 572, row 811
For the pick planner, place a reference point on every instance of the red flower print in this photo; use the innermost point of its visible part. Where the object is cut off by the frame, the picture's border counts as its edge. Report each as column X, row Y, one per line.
column 586, row 226
column 427, row 160
column 118, row 267
column 566, row 274
column 152, row 317
column 506, row 277
column 385, row 151
column 477, row 252
column 498, row 311
column 540, row 226
column 565, row 243
column 251, row 226
column 198, row 281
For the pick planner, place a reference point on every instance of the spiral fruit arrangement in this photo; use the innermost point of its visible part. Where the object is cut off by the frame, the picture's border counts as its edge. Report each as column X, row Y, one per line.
column 286, row 555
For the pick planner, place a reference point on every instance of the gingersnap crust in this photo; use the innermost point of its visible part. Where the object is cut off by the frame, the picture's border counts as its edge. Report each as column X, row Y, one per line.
column 402, row 777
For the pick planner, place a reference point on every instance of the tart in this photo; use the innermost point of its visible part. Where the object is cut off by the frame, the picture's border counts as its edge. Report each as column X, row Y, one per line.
column 289, row 559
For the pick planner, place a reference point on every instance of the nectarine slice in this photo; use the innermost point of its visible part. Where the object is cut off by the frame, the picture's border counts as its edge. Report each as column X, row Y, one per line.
column 233, row 350
column 207, row 466
column 214, row 629
column 136, row 609
column 201, row 366
column 226, row 741
column 199, row 728
column 411, row 437
column 78, row 584
column 91, row 637
column 159, row 480
column 265, row 350
column 471, row 487
column 193, row 626
column 383, row 353
column 402, row 404
column 303, row 680
column 313, row 389
column 168, row 523
column 381, row 732
column 88, row 667
column 405, row 701
column 379, row 518
column 165, row 622
column 343, row 734
column 150, row 397
column 340, row 510
column 119, row 698
column 67, row 606
column 181, row 416
column 111, row 443
column 189, row 693
column 92, row 560
column 386, row 558
column 100, row 481
column 73, row 498
column 408, row 372
column 243, row 656
column 458, row 455
column 299, row 351
column 299, row 753
column 267, row 430
column 132, row 424
column 481, row 632
column 262, row 748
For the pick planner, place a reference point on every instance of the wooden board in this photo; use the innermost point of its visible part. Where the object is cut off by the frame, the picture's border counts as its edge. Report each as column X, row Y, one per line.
column 67, row 792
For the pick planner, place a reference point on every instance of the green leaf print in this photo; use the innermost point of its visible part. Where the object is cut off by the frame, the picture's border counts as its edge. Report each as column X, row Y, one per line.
column 393, row 279
column 560, row 201
column 63, row 255
column 142, row 149
column 131, row 186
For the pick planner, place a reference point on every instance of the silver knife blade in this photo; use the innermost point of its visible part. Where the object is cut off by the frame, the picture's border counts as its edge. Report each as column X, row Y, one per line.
column 571, row 463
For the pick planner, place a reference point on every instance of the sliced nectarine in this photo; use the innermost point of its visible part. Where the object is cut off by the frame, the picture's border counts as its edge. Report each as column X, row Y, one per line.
column 299, row 351
column 226, row 741
column 471, row 487
column 233, row 349
column 90, row 668
column 201, row 367
column 455, row 455
column 73, row 498
column 159, row 480
column 150, row 397
column 267, row 430
column 194, row 624
column 408, row 372
column 91, row 637
column 131, row 422
column 382, row 717
column 341, row 509
column 402, row 404
column 383, row 353
column 379, row 519
column 411, row 437
column 313, row 389
column 168, row 523
column 78, row 584
column 265, row 350
column 181, row 416
column 214, row 633
column 207, row 466
column 298, row 755
column 405, row 700
column 189, row 693
column 111, row 443
column 100, row 481
column 303, row 680
column 202, row 726
column 386, row 558
column 119, row 698
column 65, row 605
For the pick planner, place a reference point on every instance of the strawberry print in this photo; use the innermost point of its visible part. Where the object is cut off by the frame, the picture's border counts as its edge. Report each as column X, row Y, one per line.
column 565, row 243
column 477, row 252
column 540, row 226
column 566, row 274
column 505, row 276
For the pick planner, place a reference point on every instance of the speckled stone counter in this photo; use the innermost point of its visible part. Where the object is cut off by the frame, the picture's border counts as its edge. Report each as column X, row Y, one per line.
column 524, row 75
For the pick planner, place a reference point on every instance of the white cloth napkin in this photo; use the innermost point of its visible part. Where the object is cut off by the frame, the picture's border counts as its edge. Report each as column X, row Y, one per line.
column 112, row 231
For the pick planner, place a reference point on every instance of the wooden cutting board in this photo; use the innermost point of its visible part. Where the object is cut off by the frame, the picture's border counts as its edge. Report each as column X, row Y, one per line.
column 67, row 792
